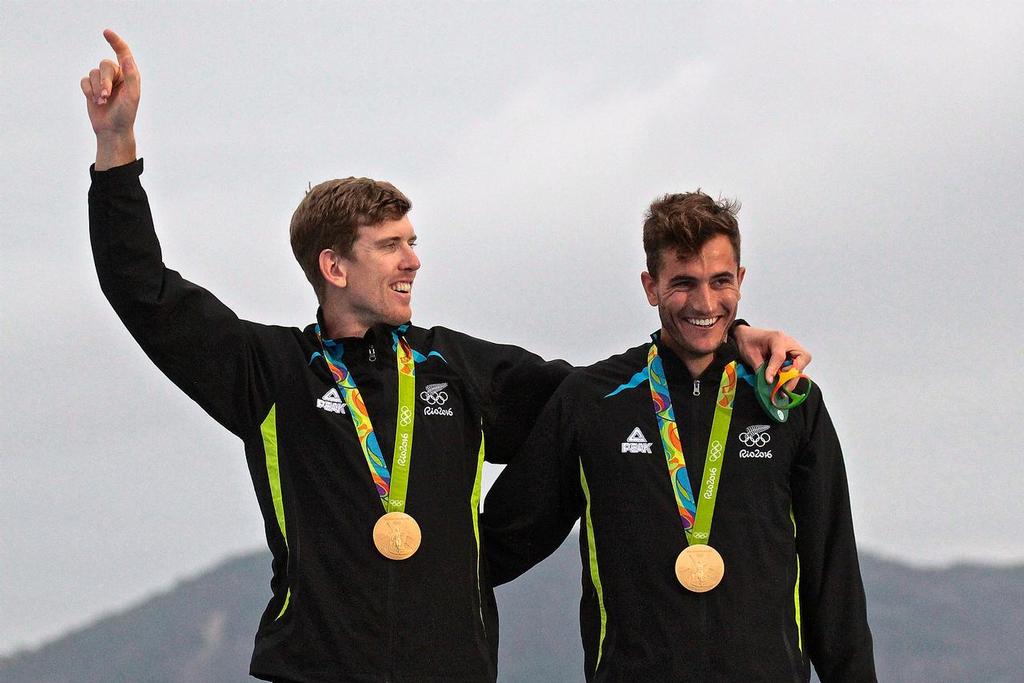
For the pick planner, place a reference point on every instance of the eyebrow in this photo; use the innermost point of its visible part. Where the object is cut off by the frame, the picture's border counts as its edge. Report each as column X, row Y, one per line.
column 713, row 276
column 391, row 240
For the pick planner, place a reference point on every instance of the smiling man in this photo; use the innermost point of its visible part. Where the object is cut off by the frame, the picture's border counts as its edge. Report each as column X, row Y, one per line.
column 696, row 296
column 377, row 572
column 733, row 562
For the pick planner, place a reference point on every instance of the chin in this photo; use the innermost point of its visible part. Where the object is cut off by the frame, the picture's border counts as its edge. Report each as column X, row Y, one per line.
column 399, row 318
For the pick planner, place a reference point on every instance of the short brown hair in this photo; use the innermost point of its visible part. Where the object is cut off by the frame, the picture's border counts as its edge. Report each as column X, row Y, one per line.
column 687, row 222
column 330, row 215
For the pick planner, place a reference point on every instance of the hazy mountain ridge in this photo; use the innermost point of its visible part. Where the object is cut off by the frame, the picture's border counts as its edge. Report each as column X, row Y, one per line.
column 961, row 623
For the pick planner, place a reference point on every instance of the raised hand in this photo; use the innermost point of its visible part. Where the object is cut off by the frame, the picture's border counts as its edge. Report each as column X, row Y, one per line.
column 112, row 98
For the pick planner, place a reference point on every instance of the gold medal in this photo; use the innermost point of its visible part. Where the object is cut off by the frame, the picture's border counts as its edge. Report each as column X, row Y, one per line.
column 396, row 535
column 699, row 568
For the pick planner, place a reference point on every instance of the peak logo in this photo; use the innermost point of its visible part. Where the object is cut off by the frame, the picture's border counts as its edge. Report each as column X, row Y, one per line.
column 636, row 442
column 331, row 402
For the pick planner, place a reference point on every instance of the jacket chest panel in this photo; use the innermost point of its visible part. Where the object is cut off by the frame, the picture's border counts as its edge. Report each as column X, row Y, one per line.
column 320, row 451
column 625, row 465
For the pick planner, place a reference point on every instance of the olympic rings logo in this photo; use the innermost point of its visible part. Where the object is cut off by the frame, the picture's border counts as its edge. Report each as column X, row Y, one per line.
column 716, row 451
column 755, row 440
column 405, row 416
column 438, row 398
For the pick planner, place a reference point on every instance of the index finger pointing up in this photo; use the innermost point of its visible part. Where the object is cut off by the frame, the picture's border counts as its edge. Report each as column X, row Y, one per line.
column 124, row 54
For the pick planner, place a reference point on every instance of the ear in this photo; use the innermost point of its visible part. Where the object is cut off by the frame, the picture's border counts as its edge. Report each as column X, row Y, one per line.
column 739, row 280
column 333, row 268
column 650, row 288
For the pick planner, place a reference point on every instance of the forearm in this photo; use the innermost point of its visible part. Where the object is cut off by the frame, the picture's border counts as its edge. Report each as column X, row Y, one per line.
column 125, row 247
column 520, row 529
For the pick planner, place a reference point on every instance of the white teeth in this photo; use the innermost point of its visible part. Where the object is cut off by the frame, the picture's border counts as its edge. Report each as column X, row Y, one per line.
column 702, row 322
column 402, row 287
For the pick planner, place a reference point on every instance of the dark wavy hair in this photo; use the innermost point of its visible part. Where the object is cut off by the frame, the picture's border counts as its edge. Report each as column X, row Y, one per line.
column 686, row 222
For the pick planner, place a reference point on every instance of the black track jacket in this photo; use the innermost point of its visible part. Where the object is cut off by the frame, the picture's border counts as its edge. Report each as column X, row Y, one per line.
column 792, row 591
column 339, row 610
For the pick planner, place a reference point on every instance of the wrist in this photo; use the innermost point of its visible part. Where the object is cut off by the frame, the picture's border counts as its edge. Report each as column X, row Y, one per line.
column 114, row 149
column 736, row 324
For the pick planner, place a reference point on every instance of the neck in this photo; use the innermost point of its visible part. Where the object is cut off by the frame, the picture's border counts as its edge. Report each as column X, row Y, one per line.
column 339, row 322
column 695, row 363
column 699, row 365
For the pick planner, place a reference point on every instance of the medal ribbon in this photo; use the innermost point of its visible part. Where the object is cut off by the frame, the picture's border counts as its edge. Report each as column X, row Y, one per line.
column 696, row 517
column 391, row 488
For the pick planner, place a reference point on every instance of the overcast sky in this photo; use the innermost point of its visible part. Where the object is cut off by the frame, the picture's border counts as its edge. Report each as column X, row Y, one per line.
column 876, row 149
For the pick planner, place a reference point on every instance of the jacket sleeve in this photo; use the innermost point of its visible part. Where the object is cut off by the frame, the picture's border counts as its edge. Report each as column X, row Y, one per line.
column 832, row 602
column 197, row 341
column 519, row 390
column 536, row 499
column 513, row 385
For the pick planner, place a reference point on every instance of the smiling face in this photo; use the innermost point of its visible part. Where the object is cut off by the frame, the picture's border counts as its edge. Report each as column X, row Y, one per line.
column 372, row 284
column 697, row 299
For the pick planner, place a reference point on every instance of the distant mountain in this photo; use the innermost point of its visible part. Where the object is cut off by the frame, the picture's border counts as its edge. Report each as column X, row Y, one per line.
column 930, row 625
column 200, row 630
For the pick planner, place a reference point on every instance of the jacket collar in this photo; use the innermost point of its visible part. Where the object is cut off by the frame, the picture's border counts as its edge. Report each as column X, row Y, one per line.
column 676, row 369
column 383, row 337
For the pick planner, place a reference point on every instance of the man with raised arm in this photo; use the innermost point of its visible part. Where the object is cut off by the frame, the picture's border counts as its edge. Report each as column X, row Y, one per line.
column 716, row 538
column 377, row 572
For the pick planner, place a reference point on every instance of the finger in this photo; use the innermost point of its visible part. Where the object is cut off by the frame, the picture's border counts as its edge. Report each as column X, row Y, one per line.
column 124, row 56
column 94, row 82
column 801, row 358
column 87, row 88
column 775, row 362
column 110, row 76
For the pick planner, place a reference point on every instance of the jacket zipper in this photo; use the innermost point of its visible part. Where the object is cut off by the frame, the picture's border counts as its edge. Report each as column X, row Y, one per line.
column 696, row 387
column 372, row 353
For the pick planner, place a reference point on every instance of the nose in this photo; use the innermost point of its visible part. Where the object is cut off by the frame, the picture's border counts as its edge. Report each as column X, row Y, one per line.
column 410, row 261
column 700, row 299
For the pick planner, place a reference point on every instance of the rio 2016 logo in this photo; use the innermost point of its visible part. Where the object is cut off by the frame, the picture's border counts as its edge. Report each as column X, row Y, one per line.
column 435, row 396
